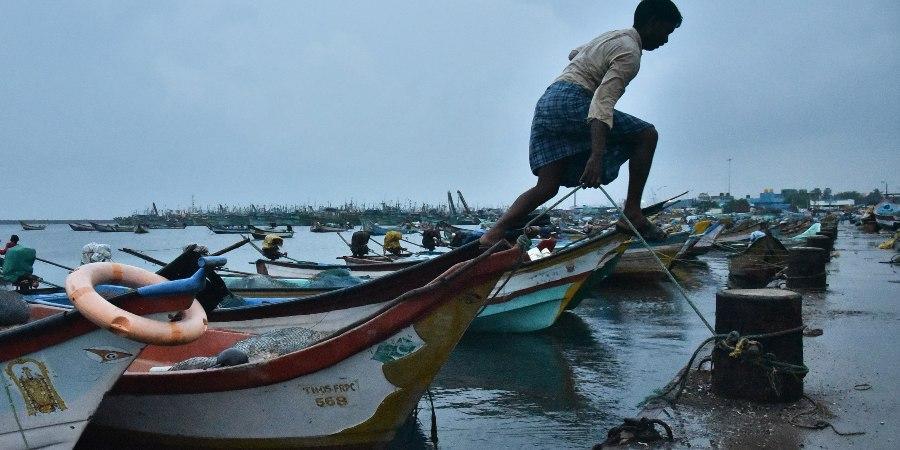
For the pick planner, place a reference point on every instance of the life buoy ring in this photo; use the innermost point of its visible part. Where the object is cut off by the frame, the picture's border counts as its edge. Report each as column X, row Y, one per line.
column 80, row 289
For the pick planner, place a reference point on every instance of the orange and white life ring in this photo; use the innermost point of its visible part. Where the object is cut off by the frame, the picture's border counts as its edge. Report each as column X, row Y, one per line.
column 80, row 289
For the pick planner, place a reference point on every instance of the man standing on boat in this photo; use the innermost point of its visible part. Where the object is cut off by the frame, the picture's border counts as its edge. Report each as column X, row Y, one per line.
column 578, row 138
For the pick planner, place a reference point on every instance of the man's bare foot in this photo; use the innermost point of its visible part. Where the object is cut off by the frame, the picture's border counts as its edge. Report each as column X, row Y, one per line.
column 645, row 227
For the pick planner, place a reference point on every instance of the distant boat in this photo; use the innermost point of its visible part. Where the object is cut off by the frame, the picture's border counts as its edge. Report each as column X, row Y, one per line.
column 167, row 226
column 81, row 227
column 311, row 270
column 31, row 227
column 887, row 214
column 261, row 233
column 229, row 229
column 328, row 228
column 111, row 228
column 140, row 229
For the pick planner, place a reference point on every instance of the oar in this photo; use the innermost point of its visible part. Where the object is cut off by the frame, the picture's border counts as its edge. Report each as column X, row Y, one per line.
column 413, row 243
column 383, row 250
column 231, row 247
column 149, row 259
column 343, row 239
column 253, row 244
column 55, row 264
column 41, row 280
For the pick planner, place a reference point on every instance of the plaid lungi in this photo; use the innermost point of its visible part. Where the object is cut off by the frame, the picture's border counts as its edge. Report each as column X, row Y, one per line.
column 560, row 130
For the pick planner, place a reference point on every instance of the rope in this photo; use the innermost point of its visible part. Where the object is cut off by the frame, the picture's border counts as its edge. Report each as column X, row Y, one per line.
column 681, row 380
column 818, row 424
column 664, row 268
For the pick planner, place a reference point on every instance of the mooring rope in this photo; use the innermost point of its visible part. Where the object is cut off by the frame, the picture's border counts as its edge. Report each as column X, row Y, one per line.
column 656, row 257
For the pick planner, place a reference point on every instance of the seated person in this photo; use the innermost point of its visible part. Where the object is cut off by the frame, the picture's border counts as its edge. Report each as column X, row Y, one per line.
column 271, row 247
column 13, row 241
column 392, row 242
column 19, row 263
column 359, row 243
column 431, row 238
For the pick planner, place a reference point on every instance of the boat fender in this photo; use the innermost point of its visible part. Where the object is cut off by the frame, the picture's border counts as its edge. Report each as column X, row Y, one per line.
column 81, row 289
column 231, row 357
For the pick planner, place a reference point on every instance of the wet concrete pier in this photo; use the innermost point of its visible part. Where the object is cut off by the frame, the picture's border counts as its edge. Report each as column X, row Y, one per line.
column 566, row 387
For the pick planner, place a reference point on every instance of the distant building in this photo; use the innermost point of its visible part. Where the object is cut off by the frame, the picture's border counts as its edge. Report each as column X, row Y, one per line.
column 828, row 205
column 683, row 204
column 769, row 200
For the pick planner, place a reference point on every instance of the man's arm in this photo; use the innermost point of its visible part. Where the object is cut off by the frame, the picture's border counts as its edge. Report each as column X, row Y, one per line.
column 622, row 70
column 594, row 167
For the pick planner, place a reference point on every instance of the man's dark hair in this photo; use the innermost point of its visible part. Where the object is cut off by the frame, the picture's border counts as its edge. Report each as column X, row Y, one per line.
column 663, row 10
column 14, row 238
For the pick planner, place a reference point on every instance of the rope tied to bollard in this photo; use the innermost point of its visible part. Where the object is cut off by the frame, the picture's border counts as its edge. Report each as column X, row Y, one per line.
column 736, row 348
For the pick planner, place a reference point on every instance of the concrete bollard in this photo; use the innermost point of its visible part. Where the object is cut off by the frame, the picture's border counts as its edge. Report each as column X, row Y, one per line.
column 830, row 231
column 753, row 271
column 806, row 268
column 759, row 311
column 823, row 242
column 870, row 226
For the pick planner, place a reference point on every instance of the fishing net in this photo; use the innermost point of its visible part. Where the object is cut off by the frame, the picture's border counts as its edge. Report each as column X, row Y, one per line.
column 260, row 347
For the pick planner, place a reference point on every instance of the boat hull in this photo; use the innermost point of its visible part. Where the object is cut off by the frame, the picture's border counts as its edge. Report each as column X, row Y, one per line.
column 64, row 384
column 291, row 270
column 533, row 298
column 359, row 400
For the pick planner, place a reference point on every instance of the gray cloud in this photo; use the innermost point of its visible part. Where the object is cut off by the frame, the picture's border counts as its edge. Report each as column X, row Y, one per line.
column 109, row 106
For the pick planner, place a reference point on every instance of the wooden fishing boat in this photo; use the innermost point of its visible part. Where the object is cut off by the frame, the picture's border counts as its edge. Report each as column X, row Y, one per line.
column 328, row 228
column 57, row 367
column 532, row 296
column 352, row 386
column 229, row 229
column 739, row 232
column 389, row 258
column 167, row 226
column 756, row 266
column 81, row 227
column 261, row 233
column 301, row 301
column 112, row 228
column 637, row 261
column 310, row 270
column 32, row 227
column 375, row 229
column 705, row 241
column 887, row 213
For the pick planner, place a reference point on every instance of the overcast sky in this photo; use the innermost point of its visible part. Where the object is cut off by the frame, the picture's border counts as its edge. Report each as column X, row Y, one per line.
column 107, row 106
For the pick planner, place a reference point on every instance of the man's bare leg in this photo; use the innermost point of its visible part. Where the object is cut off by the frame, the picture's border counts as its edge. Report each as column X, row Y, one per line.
column 638, row 169
column 546, row 188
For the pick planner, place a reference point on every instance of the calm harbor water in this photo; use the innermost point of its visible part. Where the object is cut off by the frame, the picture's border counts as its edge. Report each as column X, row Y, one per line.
column 561, row 388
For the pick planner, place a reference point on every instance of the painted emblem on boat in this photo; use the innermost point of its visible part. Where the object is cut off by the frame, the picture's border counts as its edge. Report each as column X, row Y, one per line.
column 33, row 380
column 570, row 266
column 105, row 355
column 394, row 349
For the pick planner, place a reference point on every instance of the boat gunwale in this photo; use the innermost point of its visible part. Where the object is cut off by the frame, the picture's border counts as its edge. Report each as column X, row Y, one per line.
column 450, row 285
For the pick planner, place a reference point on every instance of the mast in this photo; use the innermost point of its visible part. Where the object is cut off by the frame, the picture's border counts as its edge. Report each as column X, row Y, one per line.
column 452, row 206
column 463, row 201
